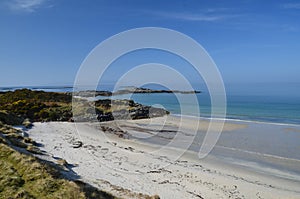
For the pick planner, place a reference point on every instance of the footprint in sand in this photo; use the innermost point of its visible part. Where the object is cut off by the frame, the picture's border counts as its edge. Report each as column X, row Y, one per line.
column 104, row 151
column 98, row 152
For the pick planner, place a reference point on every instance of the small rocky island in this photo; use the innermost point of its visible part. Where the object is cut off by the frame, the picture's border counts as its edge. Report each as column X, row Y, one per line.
column 130, row 90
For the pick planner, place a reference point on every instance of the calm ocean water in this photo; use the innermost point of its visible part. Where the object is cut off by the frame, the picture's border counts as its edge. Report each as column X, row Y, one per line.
column 277, row 109
column 253, row 108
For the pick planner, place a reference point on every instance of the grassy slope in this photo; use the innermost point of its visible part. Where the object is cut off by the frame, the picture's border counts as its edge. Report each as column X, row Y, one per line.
column 24, row 176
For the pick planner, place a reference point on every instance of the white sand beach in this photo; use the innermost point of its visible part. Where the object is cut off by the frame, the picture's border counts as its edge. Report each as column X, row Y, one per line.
column 114, row 157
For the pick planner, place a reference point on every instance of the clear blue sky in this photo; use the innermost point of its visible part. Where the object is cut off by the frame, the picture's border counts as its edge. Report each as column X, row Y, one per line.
column 43, row 42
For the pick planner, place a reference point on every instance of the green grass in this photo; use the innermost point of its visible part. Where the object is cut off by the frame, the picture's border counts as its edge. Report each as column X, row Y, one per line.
column 23, row 176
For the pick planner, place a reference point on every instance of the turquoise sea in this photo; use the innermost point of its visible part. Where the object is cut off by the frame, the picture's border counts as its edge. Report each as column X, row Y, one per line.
column 253, row 108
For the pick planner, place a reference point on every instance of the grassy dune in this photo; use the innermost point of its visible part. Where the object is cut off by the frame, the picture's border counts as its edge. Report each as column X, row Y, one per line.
column 24, row 176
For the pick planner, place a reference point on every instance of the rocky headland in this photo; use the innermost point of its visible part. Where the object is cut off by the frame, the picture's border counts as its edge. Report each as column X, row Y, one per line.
column 27, row 106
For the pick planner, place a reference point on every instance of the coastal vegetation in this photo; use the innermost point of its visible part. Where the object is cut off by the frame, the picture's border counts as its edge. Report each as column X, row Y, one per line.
column 37, row 106
column 23, row 104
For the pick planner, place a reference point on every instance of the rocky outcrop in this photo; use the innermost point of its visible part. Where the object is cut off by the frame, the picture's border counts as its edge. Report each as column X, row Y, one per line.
column 107, row 110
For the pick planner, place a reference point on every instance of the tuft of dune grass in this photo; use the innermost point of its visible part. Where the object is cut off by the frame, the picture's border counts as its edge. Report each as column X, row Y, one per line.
column 22, row 176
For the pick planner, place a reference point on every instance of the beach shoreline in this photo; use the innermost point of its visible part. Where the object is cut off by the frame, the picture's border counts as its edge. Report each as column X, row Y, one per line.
column 234, row 120
column 137, row 165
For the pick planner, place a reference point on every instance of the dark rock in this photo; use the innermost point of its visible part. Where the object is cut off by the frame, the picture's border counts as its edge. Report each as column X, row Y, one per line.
column 77, row 144
column 103, row 118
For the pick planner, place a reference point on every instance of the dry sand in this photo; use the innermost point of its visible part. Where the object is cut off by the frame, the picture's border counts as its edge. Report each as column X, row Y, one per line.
column 127, row 167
